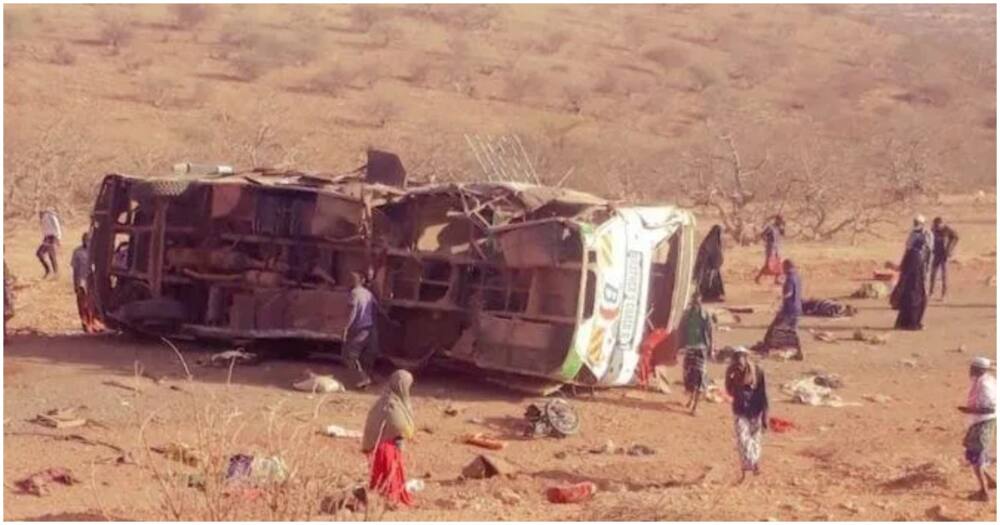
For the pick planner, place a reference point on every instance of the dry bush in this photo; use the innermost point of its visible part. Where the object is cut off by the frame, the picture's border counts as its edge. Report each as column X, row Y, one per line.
column 188, row 16
column 115, row 32
column 666, row 57
column 199, row 490
column 552, row 43
column 259, row 52
column 519, row 85
column 379, row 111
column 62, row 56
column 465, row 17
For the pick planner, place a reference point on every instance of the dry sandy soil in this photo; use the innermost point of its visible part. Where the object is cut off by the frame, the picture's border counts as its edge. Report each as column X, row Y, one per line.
column 874, row 461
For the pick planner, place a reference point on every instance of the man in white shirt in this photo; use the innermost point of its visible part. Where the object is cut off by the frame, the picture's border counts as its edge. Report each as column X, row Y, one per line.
column 981, row 407
column 51, row 235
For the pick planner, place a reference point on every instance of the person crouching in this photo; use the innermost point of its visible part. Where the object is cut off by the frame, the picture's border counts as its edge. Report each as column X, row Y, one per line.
column 389, row 424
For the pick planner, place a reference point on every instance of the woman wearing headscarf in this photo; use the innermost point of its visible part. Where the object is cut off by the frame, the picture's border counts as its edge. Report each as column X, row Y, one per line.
column 745, row 384
column 910, row 294
column 389, row 423
column 708, row 266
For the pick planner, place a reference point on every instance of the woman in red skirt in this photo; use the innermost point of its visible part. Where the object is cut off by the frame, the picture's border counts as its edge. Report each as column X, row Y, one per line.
column 389, row 423
column 772, row 247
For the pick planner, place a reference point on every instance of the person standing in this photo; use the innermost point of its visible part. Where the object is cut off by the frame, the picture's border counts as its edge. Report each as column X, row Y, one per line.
column 360, row 342
column 745, row 383
column 708, row 266
column 51, row 236
column 981, row 406
column 783, row 331
column 697, row 349
column 909, row 296
column 772, row 235
column 389, row 423
column 80, row 265
column 945, row 240
column 920, row 236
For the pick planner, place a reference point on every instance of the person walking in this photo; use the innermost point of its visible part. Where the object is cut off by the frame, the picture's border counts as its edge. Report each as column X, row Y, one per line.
column 360, row 340
column 909, row 296
column 772, row 235
column 783, row 331
column 981, row 406
column 945, row 240
column 48, row 250
column 389, row 424
column 697, row 350
column 746, row 384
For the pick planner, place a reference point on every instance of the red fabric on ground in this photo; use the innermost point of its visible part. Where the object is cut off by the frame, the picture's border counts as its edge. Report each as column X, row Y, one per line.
column 571, row 494
column 772, row 266
column 388, row 475
column 780, row 425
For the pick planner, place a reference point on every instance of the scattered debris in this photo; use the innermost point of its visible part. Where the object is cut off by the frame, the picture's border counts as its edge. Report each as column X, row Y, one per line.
column 38, row 483
column 60, row 418
column 826, row 379
column 827, row 308
column 780, row 425
column 479, row 440
column 486, row 466
column 715, row 393
column 475, row 420
column 908, row 363
column 123, row 385
column 270, row 469
column 851, row 507
column 826, row 337
column 640, row 450
column 353, row 500
column 741, row 309
column 415, row 485
column 555, row 418
column 807, row 392
column 341, row 432
column 318, row 384
column 723, row 316
column 180, row 452
column 560, row 455
column 575, row 493
column 607, row 448
column 961, row 349
column 661, row 378
column 884, row 276
column 453, row 409
column 874, row 339
column 509, row 497
column 871, row 290
column 940, row 513
column 880, row 399
column 239, row 356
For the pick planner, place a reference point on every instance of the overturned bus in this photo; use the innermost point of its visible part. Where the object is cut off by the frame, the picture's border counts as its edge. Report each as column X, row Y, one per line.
column 522, row 280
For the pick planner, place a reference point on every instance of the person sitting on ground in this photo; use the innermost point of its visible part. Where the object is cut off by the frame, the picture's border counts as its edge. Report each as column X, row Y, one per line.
column 772, row 249
column 783, row 331
column 697, row 350
column 745, row 383
column 945, row 240
column 360, row 340
column 390, row 422
column 708, row 267
column 80, row 264
column 981, row 407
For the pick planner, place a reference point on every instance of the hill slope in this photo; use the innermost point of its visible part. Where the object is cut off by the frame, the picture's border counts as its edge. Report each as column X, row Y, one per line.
column 625, row 96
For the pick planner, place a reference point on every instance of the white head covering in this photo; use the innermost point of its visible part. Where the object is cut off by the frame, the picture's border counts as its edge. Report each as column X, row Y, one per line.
column 919, row 219
column 741, row 350
column 981, row 363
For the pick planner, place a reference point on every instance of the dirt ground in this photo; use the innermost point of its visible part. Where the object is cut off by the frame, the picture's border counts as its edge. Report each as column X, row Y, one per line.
column 897, row 460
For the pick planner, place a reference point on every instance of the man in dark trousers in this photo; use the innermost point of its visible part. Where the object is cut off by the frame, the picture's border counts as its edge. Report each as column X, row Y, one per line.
column 945, row 240
column 360, row 343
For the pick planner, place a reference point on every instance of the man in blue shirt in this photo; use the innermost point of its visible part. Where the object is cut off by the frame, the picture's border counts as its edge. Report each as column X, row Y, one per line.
column 783, row 332
column 360, row 342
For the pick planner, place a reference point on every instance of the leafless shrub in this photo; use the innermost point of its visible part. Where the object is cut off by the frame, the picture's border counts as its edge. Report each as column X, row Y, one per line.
column 188, row 16
column 62, row 56
column 115, row 32
column 464, row 17
column 379, row 111
column 458, row 45
column 519, row 85
column 363, row 17
column 551, row 43
column 666, row 57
